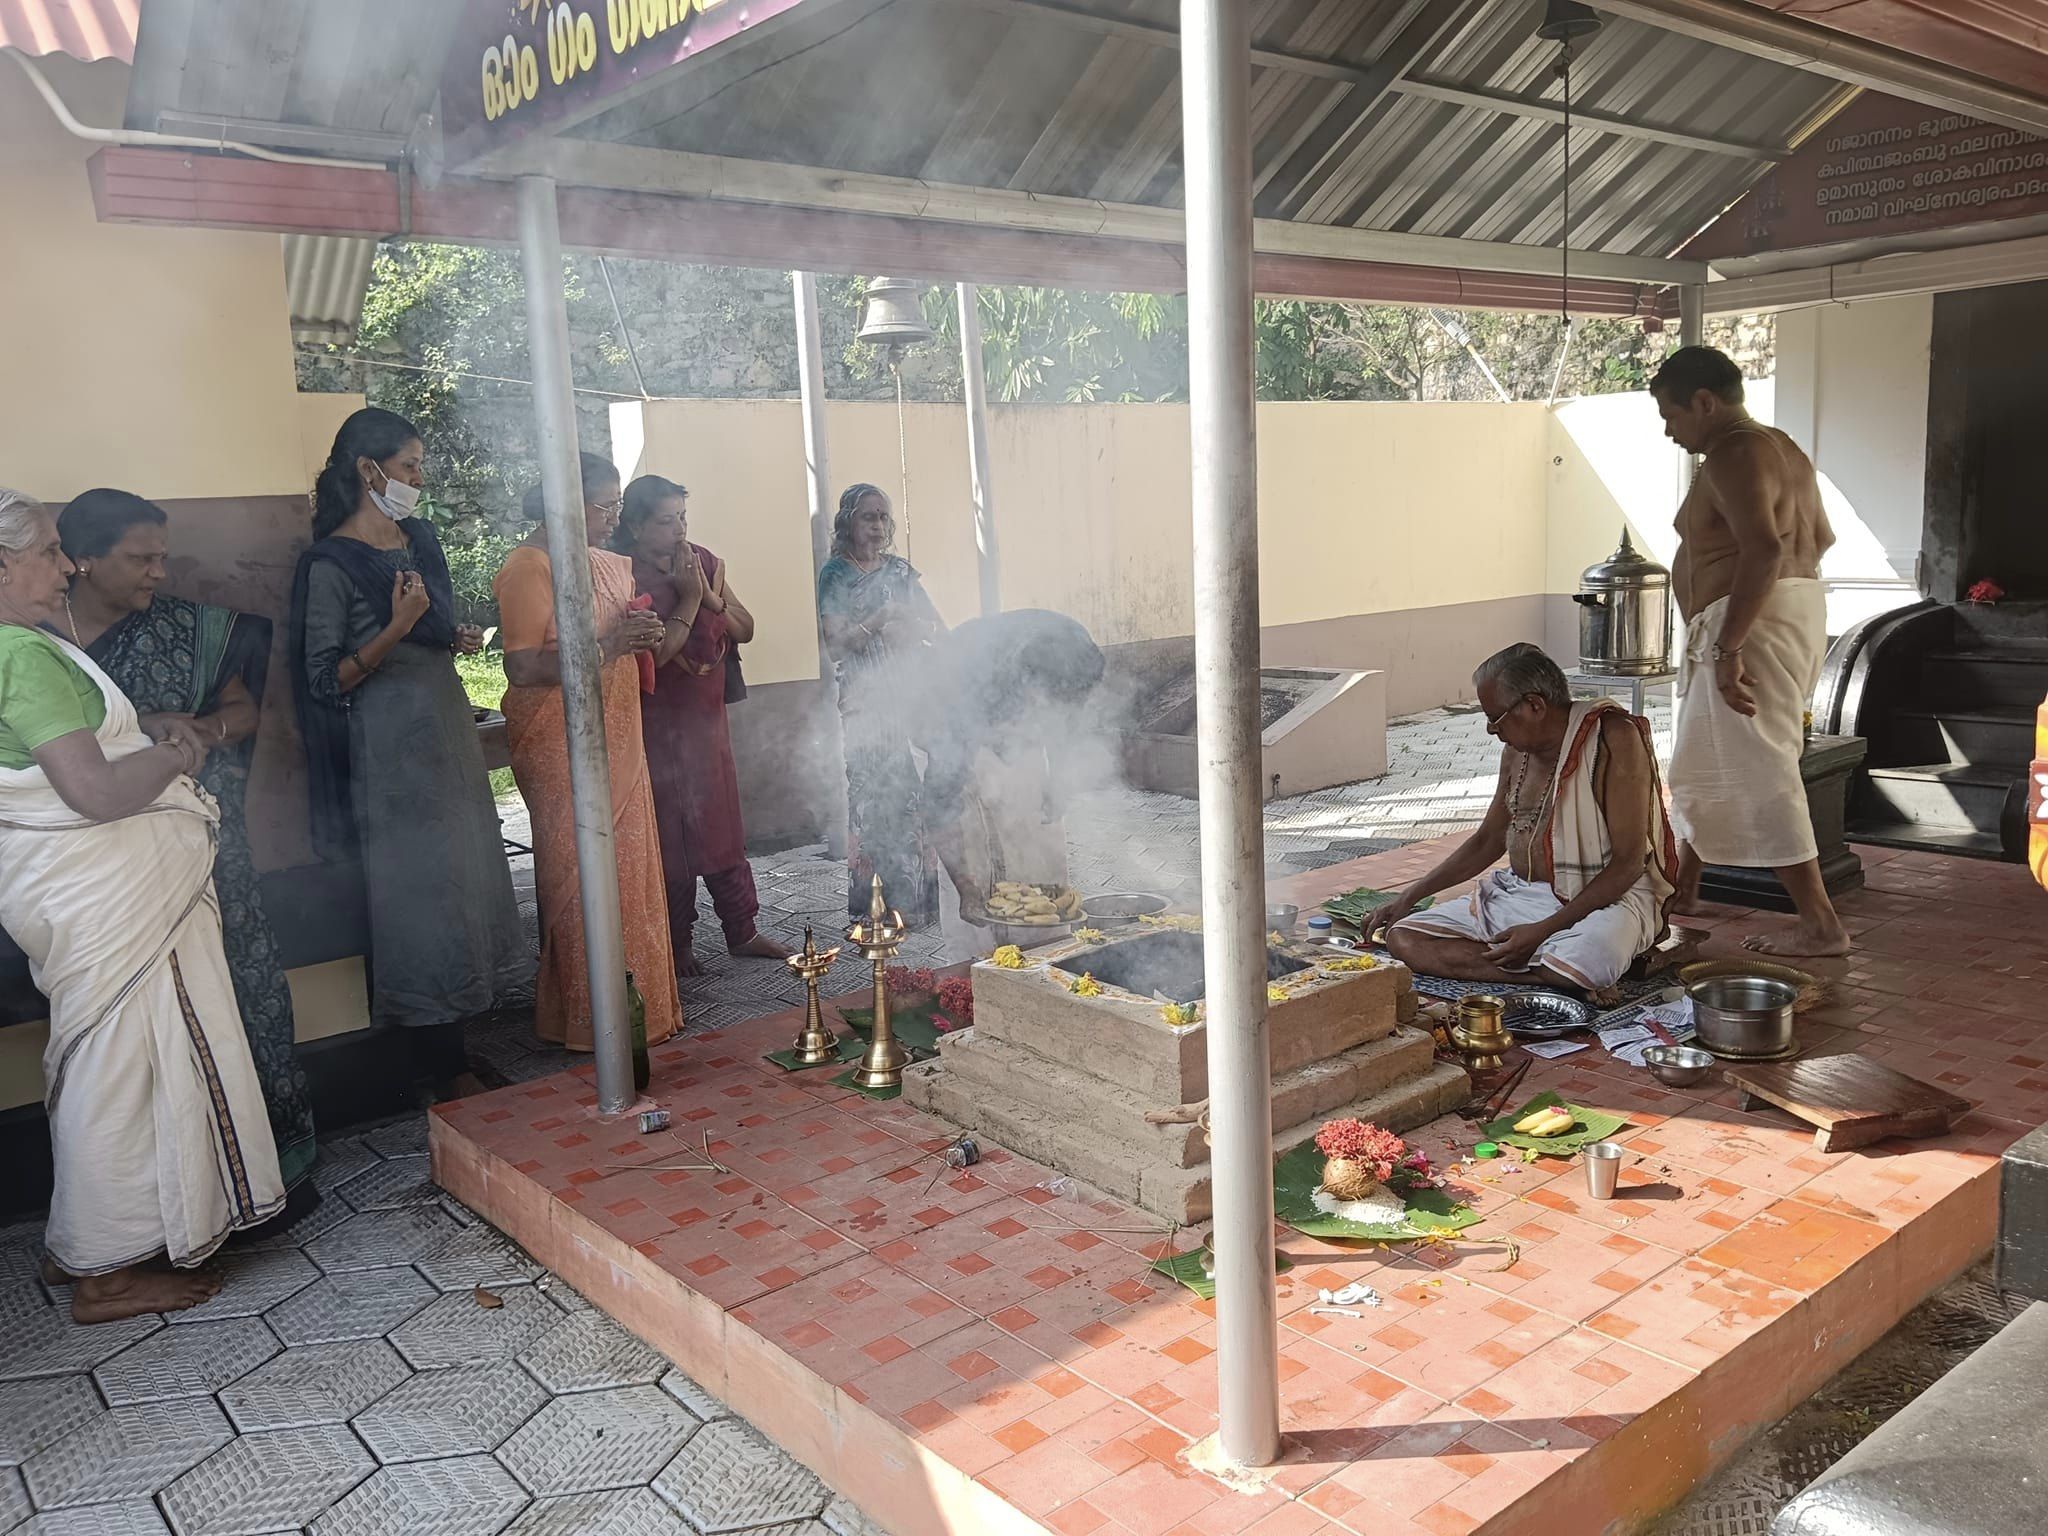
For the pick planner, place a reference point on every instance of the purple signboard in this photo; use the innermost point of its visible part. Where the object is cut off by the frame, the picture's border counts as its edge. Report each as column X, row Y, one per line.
column 517, row 66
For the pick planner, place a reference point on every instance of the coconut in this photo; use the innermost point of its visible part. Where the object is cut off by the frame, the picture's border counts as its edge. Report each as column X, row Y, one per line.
column 1348, row 1179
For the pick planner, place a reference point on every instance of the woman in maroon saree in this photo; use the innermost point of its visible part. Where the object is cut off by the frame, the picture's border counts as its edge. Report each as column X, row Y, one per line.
column 683, row 721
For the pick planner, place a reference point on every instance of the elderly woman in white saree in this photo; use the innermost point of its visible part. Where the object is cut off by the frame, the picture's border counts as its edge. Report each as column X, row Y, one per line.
column 159, row 1134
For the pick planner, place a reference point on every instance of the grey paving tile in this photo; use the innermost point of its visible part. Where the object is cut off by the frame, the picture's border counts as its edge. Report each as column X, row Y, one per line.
column 622, row 1512
column 323, row 1218
column 843, row 1517
column 477, row 1255
column 460, row 1412
column 728, row 1478
column 35, row 1415
column 46, row 1342
column 341, row 1160
column 598, row 1440
column 131, row 1453
column 262, row 1484
column 393, row 1185
column 138, row 1519
column 589, row 1352
column 355, row 1304
column 317, row 1384
column 458, row 1330
column 401, row 1138
column 468, row 1496
column 562, row 1294
column 381, row 1239
column 186, row 1362
column 251, row 1284
column 14, row 1504
column 685, row 1390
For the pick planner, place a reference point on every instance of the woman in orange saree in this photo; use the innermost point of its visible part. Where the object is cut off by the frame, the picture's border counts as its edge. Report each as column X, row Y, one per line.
column 535, row 731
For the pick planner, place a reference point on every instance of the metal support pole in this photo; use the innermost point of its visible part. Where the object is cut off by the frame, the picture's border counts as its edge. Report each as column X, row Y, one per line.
column 1215, row 92
column 810, row 365
column 590, row 786
column 974, row 384
column 1692, row 315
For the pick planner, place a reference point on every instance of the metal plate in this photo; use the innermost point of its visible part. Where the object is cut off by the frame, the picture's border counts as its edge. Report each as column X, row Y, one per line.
column 589, row 1352
column 35, row 1415
column 598, row 1440
column 626, row 1512
column 357, row 1304
column 44, row 1341
column 463, row 1412
column 99, row 1520
column 730, row 1479
column 275, row 1482
column 471, row 1496
column 381, row 1239
column 1533, row 1015
column 478, row 1256
column 319, row 1384
column 131, row 1453
column 252, row 1283
column 187, row 1362
column 393, row 1186
column 456, row 1330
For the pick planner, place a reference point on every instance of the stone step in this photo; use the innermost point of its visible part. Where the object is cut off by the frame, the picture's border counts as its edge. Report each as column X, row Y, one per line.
column 987, row 1065
column 1167, row 1190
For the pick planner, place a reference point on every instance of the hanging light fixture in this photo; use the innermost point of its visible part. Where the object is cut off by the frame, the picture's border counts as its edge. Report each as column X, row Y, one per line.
column 1564, row 23
column 894, row 320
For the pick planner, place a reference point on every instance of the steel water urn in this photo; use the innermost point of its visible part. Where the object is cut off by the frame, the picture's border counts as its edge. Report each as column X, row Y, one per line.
column 1625, row 615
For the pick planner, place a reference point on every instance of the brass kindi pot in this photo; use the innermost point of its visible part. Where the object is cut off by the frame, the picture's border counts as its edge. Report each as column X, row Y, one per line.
column 1479, row 1033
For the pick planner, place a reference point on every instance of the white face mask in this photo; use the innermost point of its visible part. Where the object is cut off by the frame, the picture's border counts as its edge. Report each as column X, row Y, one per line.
column 397, row 500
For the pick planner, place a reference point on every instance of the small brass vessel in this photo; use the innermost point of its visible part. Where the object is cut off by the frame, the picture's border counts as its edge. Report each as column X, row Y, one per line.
column 878, row 936
column 1479, row 1034
column 815, row 1044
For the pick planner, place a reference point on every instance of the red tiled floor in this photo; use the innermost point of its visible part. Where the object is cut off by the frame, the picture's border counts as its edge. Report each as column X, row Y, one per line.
column 1534, row 1370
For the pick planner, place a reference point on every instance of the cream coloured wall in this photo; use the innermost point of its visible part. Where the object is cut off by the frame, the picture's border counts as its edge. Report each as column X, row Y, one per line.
column 320, row 417
column 155, row 359
column 1363, row 509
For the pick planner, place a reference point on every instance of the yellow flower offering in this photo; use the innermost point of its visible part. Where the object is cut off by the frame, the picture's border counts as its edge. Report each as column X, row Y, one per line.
column 1179, row 1015
column 1088, row 935
column 1354, row 963
column 1085, row 986
column 1276, row 994
column 1008, row 958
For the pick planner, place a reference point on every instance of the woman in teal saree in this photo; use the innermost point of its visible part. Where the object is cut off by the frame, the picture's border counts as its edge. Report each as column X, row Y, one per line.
column 198, row 670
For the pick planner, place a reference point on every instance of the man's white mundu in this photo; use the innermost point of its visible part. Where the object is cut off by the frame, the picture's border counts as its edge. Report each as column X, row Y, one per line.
column 161, row 1139
column 1736, row 792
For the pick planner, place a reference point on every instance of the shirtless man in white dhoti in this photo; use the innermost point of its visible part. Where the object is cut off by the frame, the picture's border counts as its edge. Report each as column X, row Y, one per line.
column 1579, row 815
column 1747, row 579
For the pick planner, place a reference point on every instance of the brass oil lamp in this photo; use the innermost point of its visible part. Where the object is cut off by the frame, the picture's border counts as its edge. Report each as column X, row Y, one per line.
column 878, row 936
column 815, row 1044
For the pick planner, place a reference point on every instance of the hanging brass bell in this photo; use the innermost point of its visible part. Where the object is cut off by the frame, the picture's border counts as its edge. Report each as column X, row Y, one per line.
column 1566, row 22
column 894, row 317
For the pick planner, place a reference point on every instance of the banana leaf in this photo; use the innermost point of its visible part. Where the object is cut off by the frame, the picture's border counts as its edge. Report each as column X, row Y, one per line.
column 1187, row 1269
column 1298, row 1175
column 910, row 1021
column 1588, row 1125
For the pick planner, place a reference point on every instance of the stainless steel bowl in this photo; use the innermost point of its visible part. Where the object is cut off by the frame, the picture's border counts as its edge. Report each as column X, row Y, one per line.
column 1679, row 1065
column 1743, row 1016
column 1281, row 918
column 1121, row 908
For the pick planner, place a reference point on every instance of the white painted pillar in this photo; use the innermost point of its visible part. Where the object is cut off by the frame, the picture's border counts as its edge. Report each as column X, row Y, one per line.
column 988, row 558
column 810, row 364
column 590, row 786
column 1215, row 92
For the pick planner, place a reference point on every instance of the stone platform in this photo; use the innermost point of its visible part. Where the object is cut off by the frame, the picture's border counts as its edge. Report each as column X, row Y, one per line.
column 973, row 1352
column 1068, row 1080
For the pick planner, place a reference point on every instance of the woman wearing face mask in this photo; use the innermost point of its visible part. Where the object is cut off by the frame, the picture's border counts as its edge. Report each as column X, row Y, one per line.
column 397, row 776
column 534, row 727
column 157, row 1126
column 202, row 668
column 877, row 616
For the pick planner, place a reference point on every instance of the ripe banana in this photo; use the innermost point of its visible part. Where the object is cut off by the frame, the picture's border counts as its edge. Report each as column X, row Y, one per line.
column 1555, row 1123
column 1527, row 1124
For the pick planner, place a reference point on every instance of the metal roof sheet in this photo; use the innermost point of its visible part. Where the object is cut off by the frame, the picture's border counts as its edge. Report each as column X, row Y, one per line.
column 326, row 277
column 86, row 29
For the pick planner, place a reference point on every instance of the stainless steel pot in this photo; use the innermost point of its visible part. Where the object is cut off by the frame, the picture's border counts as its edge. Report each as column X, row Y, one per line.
column 1625, row 615
column 1743, row 1016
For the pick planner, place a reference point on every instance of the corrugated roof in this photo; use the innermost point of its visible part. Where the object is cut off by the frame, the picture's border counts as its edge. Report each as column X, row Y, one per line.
column 326, row 278
column 86, row 29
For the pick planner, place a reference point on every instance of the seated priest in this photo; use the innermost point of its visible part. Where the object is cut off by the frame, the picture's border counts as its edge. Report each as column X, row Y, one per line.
column 1579, row 814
